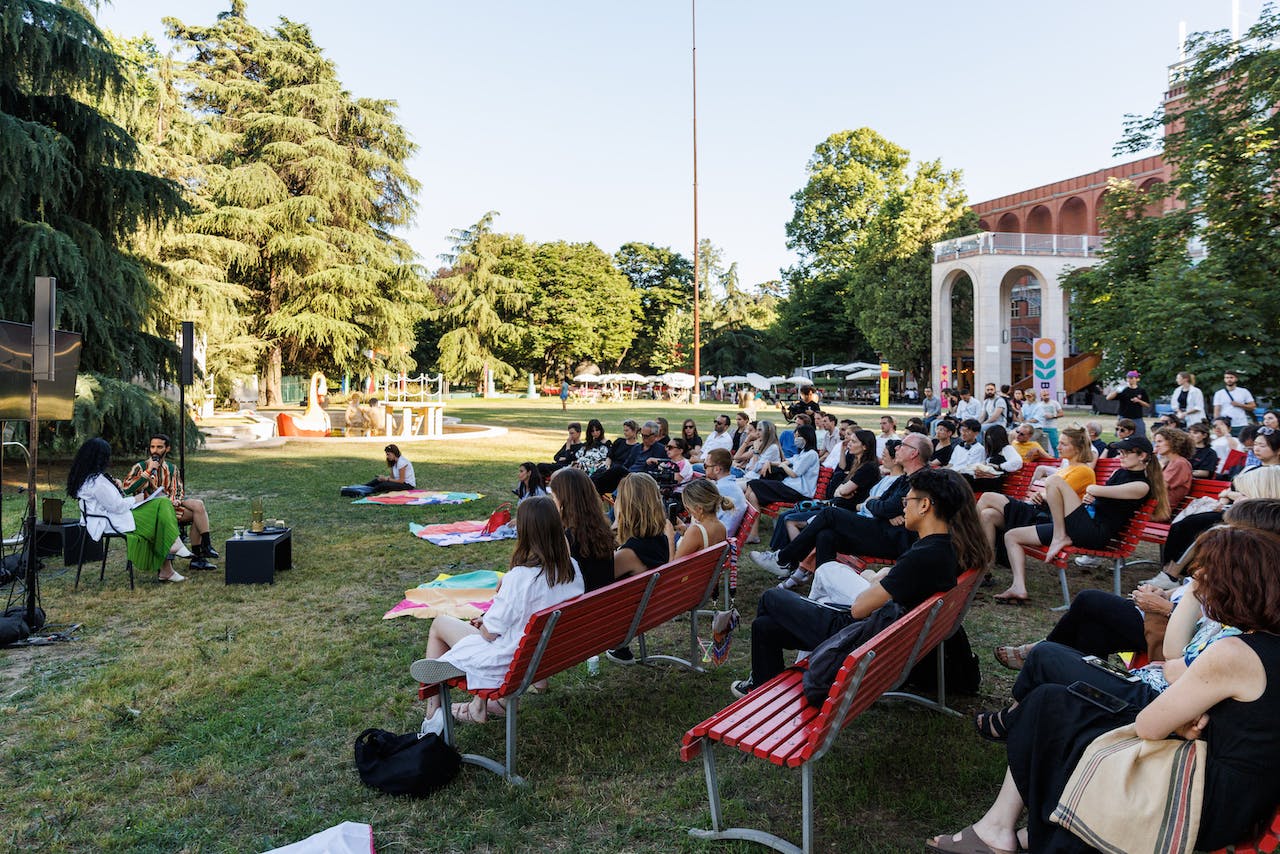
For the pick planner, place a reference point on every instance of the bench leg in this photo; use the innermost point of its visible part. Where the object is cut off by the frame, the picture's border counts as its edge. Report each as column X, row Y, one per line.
column 694, row 649
column 1120, row 564
column 939, row 705
column 507, row 771
column 747, row 834
column 1066, row 591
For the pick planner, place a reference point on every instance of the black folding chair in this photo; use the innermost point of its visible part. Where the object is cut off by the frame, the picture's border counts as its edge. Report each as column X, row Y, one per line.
column 112, row 533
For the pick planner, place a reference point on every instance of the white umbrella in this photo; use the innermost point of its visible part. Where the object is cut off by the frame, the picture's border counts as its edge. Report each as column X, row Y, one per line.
column 757, row 381
column 678, row 380
column 587, row 378
column 818, row 369
column 799, row 380
column 707, row 378
column 610, row 378
column 870, row 374
column 776, row 380
column 734, row 378
column 634, row 378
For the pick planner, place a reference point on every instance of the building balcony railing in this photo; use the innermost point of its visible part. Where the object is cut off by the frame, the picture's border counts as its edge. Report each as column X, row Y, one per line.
column 1003, row 243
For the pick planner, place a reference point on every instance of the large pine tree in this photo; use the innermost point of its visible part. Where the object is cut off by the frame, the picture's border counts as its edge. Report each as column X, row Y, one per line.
column 299, row 202
column 72, row 199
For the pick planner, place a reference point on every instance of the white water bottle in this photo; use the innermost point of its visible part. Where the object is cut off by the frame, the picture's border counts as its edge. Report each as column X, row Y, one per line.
column 593, row 665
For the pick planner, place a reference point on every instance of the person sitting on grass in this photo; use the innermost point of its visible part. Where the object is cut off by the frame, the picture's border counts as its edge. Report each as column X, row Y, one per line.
column 585, row 526
column 641, row 535
column 703, row 500
column 401, row 477
column 1090, row 521
column 541, row 574
column 939, row 509
column 529, row 482
column 568, row 451
column 1229, row 696
column 998, row 513
column 150, row 527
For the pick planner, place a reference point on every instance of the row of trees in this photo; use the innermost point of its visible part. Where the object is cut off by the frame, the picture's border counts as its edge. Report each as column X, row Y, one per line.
column 516, row 306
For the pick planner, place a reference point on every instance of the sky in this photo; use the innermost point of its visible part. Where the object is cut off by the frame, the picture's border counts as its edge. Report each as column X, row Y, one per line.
column 573, row 118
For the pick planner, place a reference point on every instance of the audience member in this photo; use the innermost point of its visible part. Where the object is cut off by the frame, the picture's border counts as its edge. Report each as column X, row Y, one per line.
column 945, row 443
column 791, row 481
column 938, row 509
column 806, row 403
column 930, row 409
column 1134, row 401
column 1187, row 400
column 1125, row 429
column 529, row 482
column 1232, row 684
column 720, row 437
column 568, row 451
column 692, row 441
column 1233, row 402
column 606, row 479
column 641, row 535
column 401, row 477
column 540, row 574
column 1027, row 448
column 703, row 501
column 1204, row 460
column 677, row 455
column 1044, row 415
column 970, row 451
column 968, row 407
column 1094, row 429
column 1224, row 441
column 719, row 468
column 594, row 453
column 1173, row 448
column 995, row 410
column 1089, row 521
column 767, row 450
column 741, row 431
column 585, row 526
column 888, row 430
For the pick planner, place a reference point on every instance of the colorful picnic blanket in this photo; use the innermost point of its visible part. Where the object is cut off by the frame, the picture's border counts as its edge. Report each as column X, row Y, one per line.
column 460, row 533
column 464, row 596
column 419, row 496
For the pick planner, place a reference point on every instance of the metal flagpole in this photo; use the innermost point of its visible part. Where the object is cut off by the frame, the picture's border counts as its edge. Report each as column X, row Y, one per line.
column 697, row 331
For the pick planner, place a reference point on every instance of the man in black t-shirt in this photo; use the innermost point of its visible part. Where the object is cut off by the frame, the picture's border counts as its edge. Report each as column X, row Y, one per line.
column 1134, row 401
column 806, row 403
column 786, row 620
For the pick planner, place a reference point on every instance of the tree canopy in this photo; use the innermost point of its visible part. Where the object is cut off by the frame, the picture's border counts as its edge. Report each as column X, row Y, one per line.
column 73, row 199
column 1216, row 309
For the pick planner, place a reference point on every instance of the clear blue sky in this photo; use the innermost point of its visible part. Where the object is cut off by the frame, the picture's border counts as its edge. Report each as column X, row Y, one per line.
column 572, row 117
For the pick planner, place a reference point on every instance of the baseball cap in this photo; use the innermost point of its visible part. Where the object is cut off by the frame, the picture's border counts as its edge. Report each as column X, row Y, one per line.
column 1134, row 443
column 1133, row 374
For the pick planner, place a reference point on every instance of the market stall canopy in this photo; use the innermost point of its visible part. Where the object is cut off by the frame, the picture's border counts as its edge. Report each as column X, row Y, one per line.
column 856, row 366
column 819, row 369
column 871, row 374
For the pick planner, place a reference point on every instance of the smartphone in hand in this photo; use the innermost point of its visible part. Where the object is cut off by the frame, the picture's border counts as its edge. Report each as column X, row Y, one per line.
column 1100, row 698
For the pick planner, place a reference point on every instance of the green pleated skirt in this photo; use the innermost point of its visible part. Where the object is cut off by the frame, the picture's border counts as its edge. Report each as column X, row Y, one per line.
column 155, row 529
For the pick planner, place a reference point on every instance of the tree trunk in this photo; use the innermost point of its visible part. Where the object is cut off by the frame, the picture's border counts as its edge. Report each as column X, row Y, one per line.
column 272, row 379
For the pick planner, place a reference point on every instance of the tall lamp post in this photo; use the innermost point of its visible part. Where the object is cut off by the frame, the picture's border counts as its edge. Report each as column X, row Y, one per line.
column 697, row 327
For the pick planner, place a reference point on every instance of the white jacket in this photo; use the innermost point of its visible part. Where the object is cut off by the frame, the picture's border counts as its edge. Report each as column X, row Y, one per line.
column 100, row 498
column 1195, row 411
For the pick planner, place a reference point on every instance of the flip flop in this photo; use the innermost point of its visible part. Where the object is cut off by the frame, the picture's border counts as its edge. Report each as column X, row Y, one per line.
column 1004, row 599
column 495, row 708
column 992, row 726
column 1013, row 657
column 968, row 843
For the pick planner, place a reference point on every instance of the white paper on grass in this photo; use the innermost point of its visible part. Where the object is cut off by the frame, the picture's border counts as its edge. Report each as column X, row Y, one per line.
column 347, row 838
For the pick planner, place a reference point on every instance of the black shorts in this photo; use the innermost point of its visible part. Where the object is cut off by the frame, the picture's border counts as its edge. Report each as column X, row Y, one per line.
column 1083, row 529
column 769, row 491
column 1020, row 514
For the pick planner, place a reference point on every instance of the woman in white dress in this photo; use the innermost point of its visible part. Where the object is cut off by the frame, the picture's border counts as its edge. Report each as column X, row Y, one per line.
column 541, row 574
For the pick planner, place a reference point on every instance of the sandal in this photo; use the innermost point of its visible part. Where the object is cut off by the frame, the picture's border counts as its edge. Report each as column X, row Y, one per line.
column 462, row 714
column 1013, row 657
column 968, row 843
column 796, row 579
column 1007, row 598
column 992, row 726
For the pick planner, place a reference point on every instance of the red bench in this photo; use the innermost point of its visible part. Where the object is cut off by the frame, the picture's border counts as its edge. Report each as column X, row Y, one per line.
column 1266, row 842
column 735, row 549
column 776, row 723
column 565, row 635
column 824, row 479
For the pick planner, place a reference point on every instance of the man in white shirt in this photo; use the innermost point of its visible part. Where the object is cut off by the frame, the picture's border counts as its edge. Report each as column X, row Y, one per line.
column 967, row 407
column 888, row 430
column 718, row 464
column 1043, row 415
column 970, row 450
column 829, row 436
column 833, row 457
column 721, row 438
column 1233, row 402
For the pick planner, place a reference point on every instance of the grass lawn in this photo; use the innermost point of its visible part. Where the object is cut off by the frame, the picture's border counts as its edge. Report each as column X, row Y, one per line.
column 200, row 717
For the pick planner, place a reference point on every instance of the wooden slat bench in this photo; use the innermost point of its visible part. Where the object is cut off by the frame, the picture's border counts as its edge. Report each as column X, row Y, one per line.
column 824, row 479
column 565, row 635
column 776, row 723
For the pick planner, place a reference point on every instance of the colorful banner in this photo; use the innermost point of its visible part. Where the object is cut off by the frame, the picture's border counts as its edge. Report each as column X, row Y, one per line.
column 884, row 384
column 1047, row 373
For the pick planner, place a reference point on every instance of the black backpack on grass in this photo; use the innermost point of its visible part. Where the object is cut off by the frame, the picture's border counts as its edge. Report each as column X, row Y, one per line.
column 406, row 764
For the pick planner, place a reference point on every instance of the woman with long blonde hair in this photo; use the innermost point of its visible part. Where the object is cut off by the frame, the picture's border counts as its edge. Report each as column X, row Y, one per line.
column 702, row 499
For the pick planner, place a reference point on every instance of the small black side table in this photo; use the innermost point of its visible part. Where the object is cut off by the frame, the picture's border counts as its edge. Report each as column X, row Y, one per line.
column 64, row 539
column 256, row 558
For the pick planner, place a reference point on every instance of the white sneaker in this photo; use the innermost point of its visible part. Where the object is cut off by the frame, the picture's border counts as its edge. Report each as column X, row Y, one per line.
column 1089, row 561
column 1163, row 581
column 433, row 725
column 767, row 561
